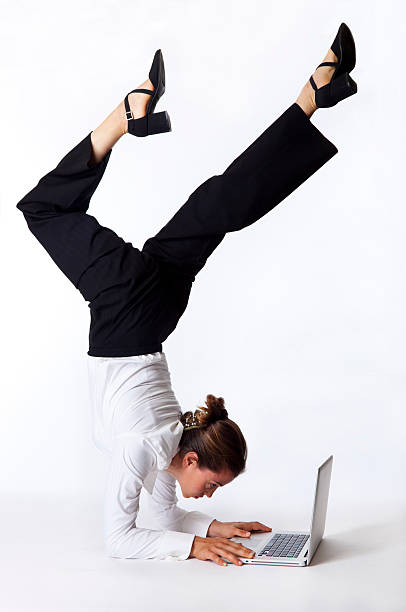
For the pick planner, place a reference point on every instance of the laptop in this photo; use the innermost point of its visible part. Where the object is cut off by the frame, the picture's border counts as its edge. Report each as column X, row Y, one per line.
column 292, row 547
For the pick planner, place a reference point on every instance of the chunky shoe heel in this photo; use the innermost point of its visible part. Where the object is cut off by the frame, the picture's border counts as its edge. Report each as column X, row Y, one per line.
column 154, row 123
column 341, row 85
column 159, row 122
column 151, row 123
column 338, row 89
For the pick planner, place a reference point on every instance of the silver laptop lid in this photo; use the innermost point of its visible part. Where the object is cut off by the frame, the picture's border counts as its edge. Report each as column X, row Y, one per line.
column 318, row 520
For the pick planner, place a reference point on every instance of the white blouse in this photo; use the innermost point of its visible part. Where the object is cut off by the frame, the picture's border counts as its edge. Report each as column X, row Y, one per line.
column 136, row 421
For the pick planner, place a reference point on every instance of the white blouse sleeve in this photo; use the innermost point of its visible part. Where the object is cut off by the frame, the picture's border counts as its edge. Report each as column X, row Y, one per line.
column 131, row 460
column 168, row 515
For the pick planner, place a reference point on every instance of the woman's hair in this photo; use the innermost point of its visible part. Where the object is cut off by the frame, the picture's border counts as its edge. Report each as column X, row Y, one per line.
column 218, row 441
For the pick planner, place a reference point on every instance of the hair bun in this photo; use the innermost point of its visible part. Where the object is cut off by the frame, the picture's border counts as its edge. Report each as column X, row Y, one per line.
column 203, row 417
column 216, row 409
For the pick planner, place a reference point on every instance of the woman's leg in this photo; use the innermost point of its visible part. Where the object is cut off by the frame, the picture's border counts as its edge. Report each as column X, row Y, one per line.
column 285, row 155
column 56, row 208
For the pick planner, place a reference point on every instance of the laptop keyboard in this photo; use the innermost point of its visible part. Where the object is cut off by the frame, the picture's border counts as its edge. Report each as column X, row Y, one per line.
column 284, row 545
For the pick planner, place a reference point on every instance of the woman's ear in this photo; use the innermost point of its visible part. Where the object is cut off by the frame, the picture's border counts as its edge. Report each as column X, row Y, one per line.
column 191, row 457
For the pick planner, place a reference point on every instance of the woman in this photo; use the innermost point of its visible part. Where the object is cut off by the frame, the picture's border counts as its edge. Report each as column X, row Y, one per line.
column 136, row 299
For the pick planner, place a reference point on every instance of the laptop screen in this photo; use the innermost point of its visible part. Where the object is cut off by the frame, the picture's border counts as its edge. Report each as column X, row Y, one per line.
column 320, row 506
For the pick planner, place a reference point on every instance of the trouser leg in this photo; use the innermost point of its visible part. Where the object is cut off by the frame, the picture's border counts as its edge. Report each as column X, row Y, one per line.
column 285, row 155
column 90, row 255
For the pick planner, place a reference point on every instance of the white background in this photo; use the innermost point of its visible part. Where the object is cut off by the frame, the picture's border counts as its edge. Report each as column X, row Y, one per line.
column 297, row 321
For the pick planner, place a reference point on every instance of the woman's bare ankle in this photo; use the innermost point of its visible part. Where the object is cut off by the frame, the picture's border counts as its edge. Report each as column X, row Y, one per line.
column 105, row 136
column 306, row 100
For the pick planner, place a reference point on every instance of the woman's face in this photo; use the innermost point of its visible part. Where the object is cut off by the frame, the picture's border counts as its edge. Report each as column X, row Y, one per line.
column 196, row 482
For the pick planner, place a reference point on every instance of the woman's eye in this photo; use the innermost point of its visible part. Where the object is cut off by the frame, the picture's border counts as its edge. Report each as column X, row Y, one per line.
column 213, row 485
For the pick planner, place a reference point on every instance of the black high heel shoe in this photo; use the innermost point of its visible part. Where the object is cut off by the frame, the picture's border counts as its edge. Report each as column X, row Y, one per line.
column 151, row 123
column 341, row 85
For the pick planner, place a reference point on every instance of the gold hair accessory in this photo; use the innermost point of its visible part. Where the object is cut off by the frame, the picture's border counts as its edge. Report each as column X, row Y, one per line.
column 192, row 422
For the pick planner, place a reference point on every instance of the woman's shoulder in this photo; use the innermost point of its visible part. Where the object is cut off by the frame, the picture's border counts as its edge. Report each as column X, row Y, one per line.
column 135, row 452
column 143, row 456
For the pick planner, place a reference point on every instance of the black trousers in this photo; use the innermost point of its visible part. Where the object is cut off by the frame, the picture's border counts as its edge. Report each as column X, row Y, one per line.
column 136, row 297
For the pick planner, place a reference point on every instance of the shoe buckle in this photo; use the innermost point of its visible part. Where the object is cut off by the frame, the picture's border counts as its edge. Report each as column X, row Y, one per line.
column 128, row 113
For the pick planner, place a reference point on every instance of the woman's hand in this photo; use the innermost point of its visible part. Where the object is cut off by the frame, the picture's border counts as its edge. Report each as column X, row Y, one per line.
column 235, row 529
column 215, row 548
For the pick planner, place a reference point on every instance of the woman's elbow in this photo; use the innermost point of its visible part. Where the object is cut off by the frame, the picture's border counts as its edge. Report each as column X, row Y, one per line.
column 112, row 548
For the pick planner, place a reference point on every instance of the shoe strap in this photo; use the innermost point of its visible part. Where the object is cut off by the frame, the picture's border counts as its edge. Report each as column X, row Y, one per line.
column 148, row 91
column 312, row 81
column 128, row 112
column 313, row 84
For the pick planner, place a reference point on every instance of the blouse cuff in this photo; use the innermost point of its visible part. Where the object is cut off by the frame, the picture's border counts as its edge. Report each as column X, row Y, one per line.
column 175, row 544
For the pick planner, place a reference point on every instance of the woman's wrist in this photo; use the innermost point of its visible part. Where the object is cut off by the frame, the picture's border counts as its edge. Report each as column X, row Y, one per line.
column 213, row 527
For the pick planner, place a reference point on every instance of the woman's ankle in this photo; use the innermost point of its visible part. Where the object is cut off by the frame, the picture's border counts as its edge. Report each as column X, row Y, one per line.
column 105, row 136
column 306, row 100
column 321, row 76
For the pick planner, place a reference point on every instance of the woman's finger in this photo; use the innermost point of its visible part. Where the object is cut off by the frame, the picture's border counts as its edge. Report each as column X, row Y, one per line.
column 217, row 559
column 228, row 542
column 227, row 555
column 260, row 527
column 236, row 547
